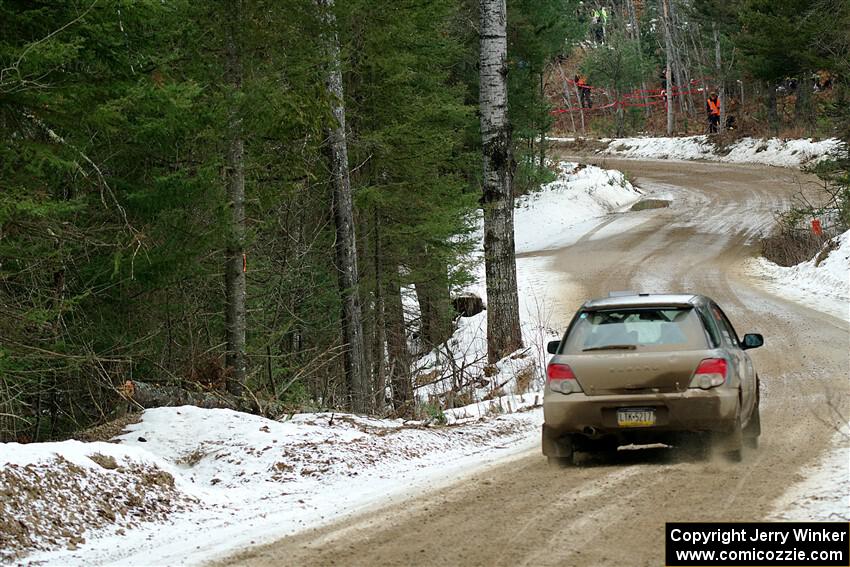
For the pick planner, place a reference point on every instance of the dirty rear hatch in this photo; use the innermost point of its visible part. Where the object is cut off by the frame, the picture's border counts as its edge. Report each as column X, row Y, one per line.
column 635, row 350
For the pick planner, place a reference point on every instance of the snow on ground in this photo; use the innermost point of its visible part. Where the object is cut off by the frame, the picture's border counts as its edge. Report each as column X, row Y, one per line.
column 233, row 480
column 243, row 479
column 543, row 220
column 824, row 286
column 80, row 487
column 823, row 493
column 770, row 151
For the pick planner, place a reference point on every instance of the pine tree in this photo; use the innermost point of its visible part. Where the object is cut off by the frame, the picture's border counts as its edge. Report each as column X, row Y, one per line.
column 346, row 244
column 235, row 266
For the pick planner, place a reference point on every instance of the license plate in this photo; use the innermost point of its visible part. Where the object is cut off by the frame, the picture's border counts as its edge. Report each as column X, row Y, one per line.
column 638, row 417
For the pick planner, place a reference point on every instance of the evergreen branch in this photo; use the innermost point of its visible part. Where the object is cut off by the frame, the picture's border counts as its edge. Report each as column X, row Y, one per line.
column 56, row 138
column 16, row 66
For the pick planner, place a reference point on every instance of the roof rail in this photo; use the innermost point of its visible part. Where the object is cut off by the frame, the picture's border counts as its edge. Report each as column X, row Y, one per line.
column 621, row 293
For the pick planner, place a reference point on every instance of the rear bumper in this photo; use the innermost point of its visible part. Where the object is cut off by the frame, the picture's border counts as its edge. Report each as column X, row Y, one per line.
column 693, row 410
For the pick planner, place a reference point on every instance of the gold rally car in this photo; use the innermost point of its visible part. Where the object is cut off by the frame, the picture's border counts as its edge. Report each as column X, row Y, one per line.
column 644, row 368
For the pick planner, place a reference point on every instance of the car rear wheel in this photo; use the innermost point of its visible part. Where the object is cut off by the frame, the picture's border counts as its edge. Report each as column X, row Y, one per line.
column 731, row 443
column 753, row 429
column 559, row 449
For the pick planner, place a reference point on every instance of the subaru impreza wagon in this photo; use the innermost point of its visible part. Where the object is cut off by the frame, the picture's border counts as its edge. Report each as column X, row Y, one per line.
column 650, row 368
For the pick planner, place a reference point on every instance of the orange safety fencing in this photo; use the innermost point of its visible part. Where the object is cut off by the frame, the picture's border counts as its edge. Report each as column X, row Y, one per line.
column 629, row 100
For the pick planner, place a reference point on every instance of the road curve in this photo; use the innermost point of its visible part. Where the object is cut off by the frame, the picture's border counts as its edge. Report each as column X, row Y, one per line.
column 612, row 512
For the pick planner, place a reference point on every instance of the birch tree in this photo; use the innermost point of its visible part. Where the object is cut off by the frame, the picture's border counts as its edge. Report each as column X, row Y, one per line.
column 668, row 49
column 356, row 371
column 503, row 329
column 235, row 262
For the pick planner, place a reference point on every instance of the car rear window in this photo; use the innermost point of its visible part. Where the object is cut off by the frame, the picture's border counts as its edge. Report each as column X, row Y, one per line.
column 644, row 328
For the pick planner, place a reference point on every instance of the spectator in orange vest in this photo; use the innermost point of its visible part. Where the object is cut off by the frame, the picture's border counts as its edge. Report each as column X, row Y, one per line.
column 712, row 106
column 584, row 91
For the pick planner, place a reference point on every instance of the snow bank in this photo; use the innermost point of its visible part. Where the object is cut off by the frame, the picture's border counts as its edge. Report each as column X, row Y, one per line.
column 823, row 285
column 235, row 479
column 542, row 220
column 56, row 494
column 242, row 454
column 772, row 151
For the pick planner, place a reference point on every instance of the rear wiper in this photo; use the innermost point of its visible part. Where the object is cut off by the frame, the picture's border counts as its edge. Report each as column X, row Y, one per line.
column 610, row 347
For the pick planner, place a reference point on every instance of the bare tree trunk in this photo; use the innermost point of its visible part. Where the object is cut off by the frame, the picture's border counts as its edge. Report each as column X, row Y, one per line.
column 668, row 48
column 772, row 112
column 542, row 147
column 677, row 61
column 503, row 328
column 434, row 300
column 398, row 355
column 356, row 372
column 566, row 96
column 235, row 263
column 380, row 336
column 721, row 89
column 580, row 108
column 635, row 25
column 619, row 111
column 632, row 15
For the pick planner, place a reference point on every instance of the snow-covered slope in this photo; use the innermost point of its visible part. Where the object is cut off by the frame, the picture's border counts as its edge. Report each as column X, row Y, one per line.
column 57, row 494
column 824, row 286
column 547, row 218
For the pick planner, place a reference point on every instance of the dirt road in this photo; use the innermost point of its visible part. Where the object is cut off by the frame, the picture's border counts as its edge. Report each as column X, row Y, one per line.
column 612, row 512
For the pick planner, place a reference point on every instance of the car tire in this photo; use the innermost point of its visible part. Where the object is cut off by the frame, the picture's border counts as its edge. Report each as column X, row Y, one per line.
column 753, row 429
column 735, row 456
column 559, row 450
column 731, row 443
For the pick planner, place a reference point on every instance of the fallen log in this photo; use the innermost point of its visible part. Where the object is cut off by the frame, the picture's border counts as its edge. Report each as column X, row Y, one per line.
column 149, row 395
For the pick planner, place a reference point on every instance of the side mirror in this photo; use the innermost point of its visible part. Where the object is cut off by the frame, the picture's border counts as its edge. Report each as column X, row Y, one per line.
column 552, row 347
column 752, row 340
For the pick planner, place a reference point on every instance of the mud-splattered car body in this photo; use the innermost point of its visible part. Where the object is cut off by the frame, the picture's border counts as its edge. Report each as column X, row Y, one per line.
column 648, row 368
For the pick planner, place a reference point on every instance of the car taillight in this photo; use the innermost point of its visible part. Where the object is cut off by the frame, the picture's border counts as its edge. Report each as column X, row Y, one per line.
column 711, row 372
column 555, row 371
column 561, row 378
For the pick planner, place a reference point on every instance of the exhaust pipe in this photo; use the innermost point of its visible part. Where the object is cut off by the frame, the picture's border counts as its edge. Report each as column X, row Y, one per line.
column 590, row 431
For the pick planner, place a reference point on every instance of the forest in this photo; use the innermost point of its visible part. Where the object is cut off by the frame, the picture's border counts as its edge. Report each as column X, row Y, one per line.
column 270, row 204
